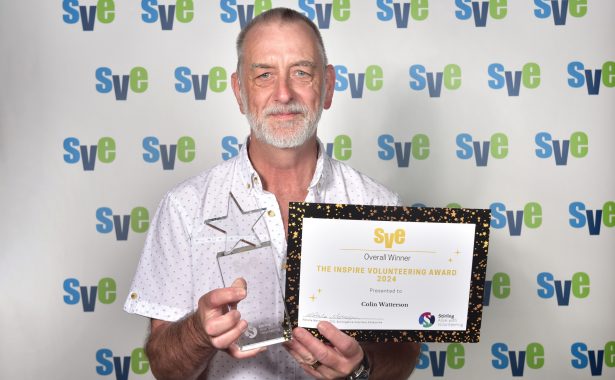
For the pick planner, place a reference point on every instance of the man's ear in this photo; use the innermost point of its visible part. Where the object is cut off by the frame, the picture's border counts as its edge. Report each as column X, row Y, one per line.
column 236, row 90
column 329, row 86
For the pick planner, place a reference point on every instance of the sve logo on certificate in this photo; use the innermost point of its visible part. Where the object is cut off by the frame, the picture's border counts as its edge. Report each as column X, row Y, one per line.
column 383, row 273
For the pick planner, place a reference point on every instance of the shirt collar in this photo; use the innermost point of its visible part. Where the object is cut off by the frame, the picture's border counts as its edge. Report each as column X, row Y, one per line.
column 251, row 180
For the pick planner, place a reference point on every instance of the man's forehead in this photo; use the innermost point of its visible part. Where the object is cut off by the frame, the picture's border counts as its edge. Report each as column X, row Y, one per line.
column 264, row 34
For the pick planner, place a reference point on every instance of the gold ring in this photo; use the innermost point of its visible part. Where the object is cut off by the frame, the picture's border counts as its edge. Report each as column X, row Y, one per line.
column 315, row 365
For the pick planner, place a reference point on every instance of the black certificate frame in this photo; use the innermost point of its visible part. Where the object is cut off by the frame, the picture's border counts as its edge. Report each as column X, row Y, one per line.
column 479, row 217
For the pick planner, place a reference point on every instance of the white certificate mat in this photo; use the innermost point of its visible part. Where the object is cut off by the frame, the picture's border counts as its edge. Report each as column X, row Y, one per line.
column 389, row 272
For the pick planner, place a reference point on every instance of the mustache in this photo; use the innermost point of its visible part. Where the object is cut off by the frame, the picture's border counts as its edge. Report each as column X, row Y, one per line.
column 294, row 107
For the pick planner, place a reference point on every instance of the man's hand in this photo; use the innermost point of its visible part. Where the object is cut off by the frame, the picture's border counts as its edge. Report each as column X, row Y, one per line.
column 221, row 321
column 336, row 360
column 183, row 349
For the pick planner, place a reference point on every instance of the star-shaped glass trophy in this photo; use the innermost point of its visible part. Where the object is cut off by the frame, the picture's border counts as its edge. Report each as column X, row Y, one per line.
column 246, row 256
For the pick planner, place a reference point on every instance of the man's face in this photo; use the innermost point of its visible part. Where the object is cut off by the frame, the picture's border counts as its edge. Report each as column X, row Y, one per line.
column 282, row 89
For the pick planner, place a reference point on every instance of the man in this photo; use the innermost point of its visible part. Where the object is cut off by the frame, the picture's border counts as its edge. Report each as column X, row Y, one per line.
column 282, row 84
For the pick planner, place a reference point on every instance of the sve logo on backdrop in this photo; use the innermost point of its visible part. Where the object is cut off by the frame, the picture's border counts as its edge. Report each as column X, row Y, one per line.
column 503, row 357
column 453, row 357
column 579, row 76
column 402, row 151
column 496, row 147
column 322, row 12
column 548, row 287
column 577, row 146
column 137, row 221
column 184, row 150
column 215, row 80
column 528, row 76
column 499, row 286
column 530, row 216
column 372, row 79
column 136, row 80
column 479, row 10
column 582, row 357
column 340, row 149
column 559, row 9
column 121, row 366
column 104, row 292
column 402, row 12
column 181, row 11
column 103, row 12
column 420, row 79
column 103, row 151
column 581, row 216
column 231, row 12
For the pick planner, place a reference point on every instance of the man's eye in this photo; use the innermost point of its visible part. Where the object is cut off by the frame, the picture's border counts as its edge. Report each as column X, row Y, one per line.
column 303, row 76
column 264, row 76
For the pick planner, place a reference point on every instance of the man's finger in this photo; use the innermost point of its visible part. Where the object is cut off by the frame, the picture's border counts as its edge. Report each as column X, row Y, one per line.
column 220, row 297
column 318, row 350
column 299, row 352
column 228, row 338
column 344, row 344
column 223, row 323
column 307, row 360
column 241, row 284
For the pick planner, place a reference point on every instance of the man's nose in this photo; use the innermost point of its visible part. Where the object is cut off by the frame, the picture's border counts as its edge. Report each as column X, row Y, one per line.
column 283, row 90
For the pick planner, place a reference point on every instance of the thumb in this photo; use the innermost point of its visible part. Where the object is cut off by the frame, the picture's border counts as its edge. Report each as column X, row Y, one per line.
column 238, row 283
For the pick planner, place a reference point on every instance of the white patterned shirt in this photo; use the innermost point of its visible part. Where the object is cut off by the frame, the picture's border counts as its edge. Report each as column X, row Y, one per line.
column 178, row 264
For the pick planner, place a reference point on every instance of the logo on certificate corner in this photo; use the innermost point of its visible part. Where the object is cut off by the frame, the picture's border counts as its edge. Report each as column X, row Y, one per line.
column 427, row 320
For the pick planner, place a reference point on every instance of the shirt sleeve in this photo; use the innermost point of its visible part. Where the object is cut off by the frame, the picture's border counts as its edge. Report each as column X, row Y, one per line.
column 163, row 287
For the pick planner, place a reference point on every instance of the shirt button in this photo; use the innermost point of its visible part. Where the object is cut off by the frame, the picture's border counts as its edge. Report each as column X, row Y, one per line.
column 248, row 185
column 133, row 295
column 271, row 213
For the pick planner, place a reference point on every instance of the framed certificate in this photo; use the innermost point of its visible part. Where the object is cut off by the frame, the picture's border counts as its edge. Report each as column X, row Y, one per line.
column 388, row 274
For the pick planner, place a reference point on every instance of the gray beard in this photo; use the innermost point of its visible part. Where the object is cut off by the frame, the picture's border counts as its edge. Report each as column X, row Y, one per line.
column 287, row 134
column 277, row 136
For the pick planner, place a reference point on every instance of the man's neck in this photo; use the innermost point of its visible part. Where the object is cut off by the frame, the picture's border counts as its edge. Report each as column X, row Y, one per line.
column 284, row 170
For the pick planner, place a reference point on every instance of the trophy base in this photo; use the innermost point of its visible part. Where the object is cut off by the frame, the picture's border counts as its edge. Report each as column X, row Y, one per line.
column 262, row 336
column 264, row 343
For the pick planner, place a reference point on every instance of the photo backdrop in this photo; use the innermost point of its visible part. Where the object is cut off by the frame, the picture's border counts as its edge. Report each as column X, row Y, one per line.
column 508, row 105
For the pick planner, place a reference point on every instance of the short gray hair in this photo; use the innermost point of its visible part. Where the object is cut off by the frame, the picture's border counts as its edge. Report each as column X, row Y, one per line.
column 286, row 15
